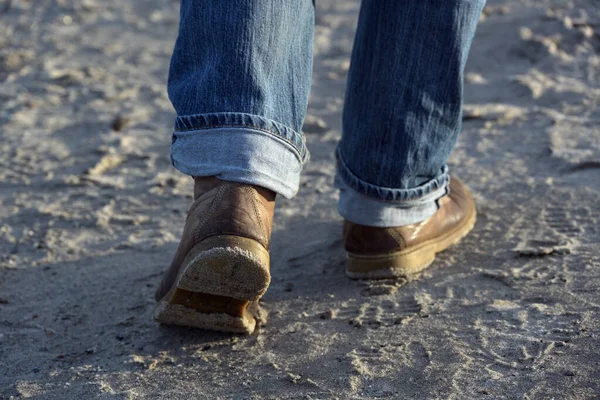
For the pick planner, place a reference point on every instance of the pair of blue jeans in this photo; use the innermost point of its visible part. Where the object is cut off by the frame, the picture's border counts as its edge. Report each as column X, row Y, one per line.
column 240, row 78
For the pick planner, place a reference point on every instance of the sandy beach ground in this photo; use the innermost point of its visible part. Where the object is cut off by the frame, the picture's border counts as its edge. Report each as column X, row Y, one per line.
column 91, row 211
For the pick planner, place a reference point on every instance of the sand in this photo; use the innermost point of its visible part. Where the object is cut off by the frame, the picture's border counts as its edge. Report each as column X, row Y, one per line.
column 91, row 211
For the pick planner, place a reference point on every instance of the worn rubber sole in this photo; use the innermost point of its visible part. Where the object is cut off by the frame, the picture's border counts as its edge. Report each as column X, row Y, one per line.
column 219, row 286
column 409, row 261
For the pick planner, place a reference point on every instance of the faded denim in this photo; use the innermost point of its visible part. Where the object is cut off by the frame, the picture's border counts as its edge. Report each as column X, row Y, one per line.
column 240, row 77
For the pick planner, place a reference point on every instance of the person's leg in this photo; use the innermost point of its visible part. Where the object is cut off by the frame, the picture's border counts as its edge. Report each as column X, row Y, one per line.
column 239, row 80
column 402, row 117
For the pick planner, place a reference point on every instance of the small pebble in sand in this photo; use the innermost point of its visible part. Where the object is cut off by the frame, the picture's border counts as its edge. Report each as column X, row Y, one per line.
column 293, row 377
column 329, row 314
column 119, row 123
column 355, row 323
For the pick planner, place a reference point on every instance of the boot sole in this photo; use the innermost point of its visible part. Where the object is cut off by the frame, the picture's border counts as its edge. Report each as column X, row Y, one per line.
column 219, row 286
column 409, row 261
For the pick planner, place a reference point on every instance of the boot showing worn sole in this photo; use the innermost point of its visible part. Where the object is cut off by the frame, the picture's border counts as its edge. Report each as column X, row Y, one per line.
column 218, row 287
column 408, row 261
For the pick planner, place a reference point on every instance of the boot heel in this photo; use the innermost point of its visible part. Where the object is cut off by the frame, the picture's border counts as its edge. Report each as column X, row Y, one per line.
column 221, row 281
column 230, row 266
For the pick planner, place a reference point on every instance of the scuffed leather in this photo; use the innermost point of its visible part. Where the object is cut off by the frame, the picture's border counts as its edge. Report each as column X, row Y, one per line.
column 366, row 240
column 222, row 208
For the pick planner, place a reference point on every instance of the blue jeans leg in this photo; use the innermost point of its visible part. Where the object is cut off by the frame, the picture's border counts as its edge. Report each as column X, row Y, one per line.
column 240, row 77
column 403, row 107
column 239, row 81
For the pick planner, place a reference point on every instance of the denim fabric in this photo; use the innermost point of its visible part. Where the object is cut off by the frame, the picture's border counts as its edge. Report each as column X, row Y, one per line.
column 404, row 95
column 243, row 64
column 256, row 157
column 364, row 210
column 240, row 77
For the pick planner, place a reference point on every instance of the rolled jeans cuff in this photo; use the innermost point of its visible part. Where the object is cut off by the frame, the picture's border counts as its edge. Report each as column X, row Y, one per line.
column 367, row 204
column 240, row 148
column 360, row 209
column 440, row 182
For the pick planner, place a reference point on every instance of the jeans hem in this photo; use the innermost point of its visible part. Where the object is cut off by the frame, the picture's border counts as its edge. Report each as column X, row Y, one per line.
column 243, row 155
column 363, row 210
column 386, row 193
column 196, row 122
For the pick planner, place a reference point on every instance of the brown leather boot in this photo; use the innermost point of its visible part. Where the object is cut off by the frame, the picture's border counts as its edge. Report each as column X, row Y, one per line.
column 221, row 267
column 378, row 253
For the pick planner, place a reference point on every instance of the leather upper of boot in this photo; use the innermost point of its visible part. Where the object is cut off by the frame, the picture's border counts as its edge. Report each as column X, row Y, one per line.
column 222, row 208
column 454, row 208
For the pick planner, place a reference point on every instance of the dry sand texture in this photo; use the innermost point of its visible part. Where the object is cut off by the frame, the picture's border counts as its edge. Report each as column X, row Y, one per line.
column 90, row 212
